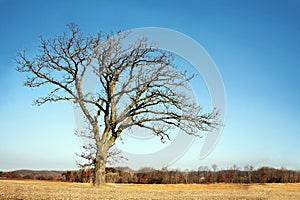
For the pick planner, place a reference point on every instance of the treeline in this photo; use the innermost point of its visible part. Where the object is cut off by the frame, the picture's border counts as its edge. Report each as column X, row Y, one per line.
column 204, row 175
column 32, row 175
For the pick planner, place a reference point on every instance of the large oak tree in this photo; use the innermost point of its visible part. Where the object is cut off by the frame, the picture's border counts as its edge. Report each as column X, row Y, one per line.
column 139, row 85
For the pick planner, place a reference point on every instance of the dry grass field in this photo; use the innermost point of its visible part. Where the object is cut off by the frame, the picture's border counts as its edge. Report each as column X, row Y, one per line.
column 14, row 189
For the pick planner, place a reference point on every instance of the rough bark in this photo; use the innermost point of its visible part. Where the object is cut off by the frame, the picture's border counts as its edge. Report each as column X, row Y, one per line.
column 100, row 165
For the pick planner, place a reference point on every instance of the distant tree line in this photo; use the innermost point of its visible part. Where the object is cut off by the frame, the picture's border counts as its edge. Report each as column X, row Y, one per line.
column 204, row 175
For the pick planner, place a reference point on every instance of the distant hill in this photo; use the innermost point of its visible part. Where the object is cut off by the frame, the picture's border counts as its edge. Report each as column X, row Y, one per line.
column 53, row 173
column 33, row 174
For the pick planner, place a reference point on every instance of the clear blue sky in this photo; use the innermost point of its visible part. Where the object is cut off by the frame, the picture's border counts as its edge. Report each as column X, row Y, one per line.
column 255, row 44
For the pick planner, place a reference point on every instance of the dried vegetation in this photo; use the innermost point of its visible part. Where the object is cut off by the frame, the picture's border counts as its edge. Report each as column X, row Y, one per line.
column 15, row 189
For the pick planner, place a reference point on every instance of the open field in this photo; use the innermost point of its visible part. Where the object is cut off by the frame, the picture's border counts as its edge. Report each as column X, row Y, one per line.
column 15, row 189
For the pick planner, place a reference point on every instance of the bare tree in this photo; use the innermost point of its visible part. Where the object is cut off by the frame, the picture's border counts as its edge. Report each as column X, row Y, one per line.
column 249, row 170
column 138, row 86
column 214, row 168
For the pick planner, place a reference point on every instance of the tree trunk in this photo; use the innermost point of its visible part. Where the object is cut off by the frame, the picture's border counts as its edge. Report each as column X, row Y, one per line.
column 100, row 169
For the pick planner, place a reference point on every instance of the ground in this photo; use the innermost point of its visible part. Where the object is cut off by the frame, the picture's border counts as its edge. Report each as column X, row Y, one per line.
column 19, row 189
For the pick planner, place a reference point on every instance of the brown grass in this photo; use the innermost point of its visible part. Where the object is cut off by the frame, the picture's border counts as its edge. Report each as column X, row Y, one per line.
column 20, row 189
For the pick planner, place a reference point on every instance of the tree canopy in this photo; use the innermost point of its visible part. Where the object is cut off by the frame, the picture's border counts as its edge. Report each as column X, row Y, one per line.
column 139, row 85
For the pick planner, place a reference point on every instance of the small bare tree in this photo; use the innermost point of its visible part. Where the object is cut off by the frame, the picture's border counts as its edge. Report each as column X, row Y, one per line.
column 138, row 86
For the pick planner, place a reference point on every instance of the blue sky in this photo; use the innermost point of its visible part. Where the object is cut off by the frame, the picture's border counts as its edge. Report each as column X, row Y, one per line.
column 255, row 44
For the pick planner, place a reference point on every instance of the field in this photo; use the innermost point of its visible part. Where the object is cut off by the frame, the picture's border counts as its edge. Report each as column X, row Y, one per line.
column 19, row 189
